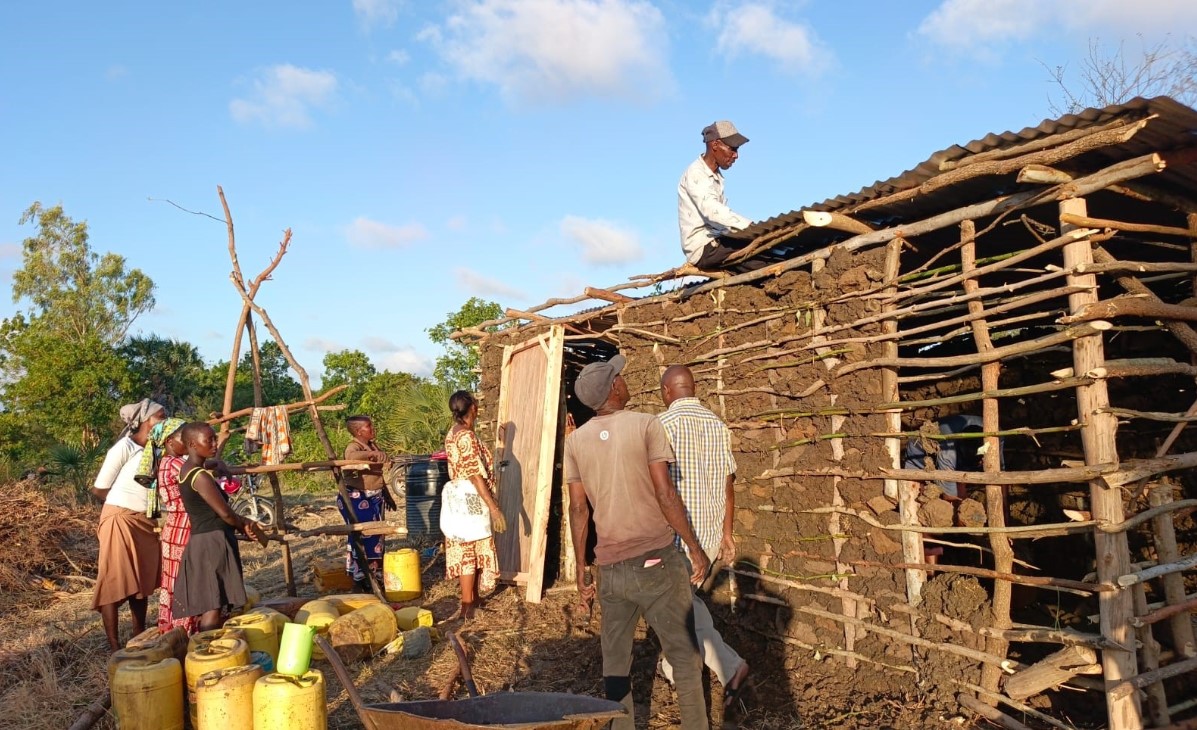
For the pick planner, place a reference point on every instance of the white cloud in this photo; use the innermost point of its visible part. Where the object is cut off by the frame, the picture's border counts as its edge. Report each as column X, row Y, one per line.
column 319, row 344
column 602, row 242
column 407, row 361
column 379, row 344
column 398, row 57
column 754, row 28
column 397, row 358
column 284, row 96
column 485, row 286
column 366, row 233
column 376, row 13
column 9, row 250
column 558, row 50
column 983, row 24
column 968, row 23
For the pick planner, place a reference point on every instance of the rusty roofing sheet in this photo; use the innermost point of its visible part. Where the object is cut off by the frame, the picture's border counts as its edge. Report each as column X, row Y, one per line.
column 1175, row 126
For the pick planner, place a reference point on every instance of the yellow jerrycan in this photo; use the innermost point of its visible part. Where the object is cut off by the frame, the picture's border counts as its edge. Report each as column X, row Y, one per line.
column 412, row 617
column 205, row 637
column 401, row 575
column 145, row 653
column 148, row 695
column 294, row 703
column 209, row 657
column 225, row 698
column 261, row 631
column 346, row 602
column 317, row 614
column 363, row 633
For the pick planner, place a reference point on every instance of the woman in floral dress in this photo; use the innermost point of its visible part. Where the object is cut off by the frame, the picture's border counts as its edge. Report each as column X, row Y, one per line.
column 469, row 510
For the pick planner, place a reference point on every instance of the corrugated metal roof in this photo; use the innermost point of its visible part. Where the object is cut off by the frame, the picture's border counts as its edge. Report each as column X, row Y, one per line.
column 1175, row 126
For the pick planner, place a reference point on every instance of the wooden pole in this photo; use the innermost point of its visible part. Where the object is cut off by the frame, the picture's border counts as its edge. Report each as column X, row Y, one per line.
column 355, row 539
column 1098, row 437
column 93, row 713
column 848, row 604
column 995, row 502
column 1052, row 671
column 1180, row 330
column 1174, row 583
column 248, row 304
column 989, row 713
column 280, row 508
column 905, row 492
column 1149, row 661
column 252, row 289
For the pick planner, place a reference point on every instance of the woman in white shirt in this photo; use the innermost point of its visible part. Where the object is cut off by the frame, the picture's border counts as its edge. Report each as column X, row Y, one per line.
column 129, row 561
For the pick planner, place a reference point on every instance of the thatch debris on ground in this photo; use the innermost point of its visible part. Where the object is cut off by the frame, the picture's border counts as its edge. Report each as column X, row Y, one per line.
column 45, row 538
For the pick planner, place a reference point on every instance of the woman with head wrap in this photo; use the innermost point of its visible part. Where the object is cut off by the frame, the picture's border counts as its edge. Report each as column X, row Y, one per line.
column 176, row 528
column 129, row 552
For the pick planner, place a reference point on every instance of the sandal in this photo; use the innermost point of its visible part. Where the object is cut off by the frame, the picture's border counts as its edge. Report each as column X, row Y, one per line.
column 732, row 692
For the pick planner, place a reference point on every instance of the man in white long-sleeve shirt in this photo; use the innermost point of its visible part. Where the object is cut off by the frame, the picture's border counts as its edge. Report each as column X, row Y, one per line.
column 702, row 212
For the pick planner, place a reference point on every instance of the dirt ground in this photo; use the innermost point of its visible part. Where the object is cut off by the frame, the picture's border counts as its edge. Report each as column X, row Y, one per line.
column 52, row 652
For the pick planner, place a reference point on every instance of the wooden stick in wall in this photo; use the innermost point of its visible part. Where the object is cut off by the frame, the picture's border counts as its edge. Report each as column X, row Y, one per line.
column 995, row 502
column 1098, row 434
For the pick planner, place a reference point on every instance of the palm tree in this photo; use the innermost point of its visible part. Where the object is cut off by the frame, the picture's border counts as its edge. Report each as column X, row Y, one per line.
column 76, row 463
column 412, row 418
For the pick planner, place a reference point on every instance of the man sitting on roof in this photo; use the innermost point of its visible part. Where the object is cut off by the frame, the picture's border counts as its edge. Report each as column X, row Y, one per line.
column 702, row 212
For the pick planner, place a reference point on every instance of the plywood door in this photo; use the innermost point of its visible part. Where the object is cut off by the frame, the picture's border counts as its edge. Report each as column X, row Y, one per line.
column 529, row 397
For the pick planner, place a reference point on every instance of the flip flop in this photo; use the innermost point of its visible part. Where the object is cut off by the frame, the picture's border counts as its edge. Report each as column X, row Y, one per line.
column 732, row 693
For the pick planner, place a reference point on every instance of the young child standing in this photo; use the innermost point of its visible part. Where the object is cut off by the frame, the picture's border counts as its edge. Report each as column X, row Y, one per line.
column 369, row 493
column 210, row 576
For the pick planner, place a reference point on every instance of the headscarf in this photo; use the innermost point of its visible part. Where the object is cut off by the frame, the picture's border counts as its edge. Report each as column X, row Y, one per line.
column 147, row 468
column 134, row 414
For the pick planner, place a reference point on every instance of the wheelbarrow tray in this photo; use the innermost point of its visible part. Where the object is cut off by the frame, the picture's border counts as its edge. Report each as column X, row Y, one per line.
column 503, row 710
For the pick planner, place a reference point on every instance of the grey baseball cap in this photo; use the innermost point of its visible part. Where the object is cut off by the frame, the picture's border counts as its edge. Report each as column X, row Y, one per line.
column 594, row 382
column 725, row 131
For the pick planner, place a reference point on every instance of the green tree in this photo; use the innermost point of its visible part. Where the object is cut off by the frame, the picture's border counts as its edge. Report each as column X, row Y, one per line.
column 457, row 368
column 169, row 371
column 72, row 291
column 352, row 368
column 411, row 414
column 59, row 368
column 278, row 386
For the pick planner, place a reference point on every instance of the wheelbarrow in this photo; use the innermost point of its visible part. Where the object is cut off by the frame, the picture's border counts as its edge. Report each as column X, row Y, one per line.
column 556, row 710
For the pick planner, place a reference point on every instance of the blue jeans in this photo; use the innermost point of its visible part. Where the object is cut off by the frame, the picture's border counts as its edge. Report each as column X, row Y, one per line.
column 661, row 593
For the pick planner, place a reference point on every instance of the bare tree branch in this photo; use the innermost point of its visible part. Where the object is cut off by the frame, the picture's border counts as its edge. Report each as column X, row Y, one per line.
column 1114, row 76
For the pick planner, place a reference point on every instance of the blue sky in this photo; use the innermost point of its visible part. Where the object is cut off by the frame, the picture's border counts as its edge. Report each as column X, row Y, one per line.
column 517, row 150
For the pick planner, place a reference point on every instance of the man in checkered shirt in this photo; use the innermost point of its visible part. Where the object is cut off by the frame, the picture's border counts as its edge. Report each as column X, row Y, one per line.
column 704, row 471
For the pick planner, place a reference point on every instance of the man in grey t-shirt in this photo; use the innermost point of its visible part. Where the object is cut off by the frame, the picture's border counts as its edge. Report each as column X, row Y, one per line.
column 618, row 462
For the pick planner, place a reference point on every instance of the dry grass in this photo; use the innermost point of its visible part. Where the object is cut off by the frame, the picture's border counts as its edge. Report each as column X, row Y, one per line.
column 43, row 532
column 53, row 653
